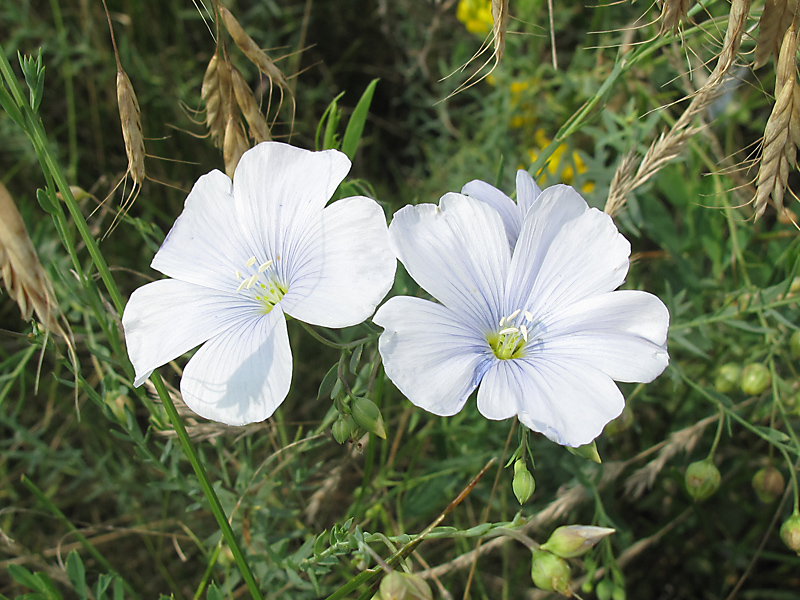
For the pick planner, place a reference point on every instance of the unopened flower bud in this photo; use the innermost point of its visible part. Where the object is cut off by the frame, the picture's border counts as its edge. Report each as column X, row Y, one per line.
column 621, row 423
column 794, row 345
column 790, row 532
column 728, row 377
column 523, row 483
column 573, row 540
column 368, row 415
column 404, row 586
column 343, row 428
column 588, row 451
column 702, row 479
column 755, row 379
column 550, row 573
column 768, row 484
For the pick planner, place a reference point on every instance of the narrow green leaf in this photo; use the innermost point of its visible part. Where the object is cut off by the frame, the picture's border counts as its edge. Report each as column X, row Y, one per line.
column 214, row 593
column 12, row 110
column 355, row 126
column 77, row 574
column 44, row 201
column 328, row 382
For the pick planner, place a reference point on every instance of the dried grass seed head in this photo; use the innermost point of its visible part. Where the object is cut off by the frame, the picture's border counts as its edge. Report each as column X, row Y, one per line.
column 130, row 118
column 252, row 51
column 235, row 145
column 23, row 275
column 259, row 128
column 775, row 20
column 217, row 95
column 673, row 13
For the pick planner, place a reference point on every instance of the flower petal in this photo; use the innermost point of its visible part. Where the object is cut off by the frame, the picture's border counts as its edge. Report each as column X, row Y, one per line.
column 205, row 245
column 527, row 193
column 279, row 192
column 505, row 206
column 242, row 375
column 622, row 333
column 429, row 354
column 347, row 271
column 458, row 252
column 566, row 252
column 565, row 400
column 167, row 318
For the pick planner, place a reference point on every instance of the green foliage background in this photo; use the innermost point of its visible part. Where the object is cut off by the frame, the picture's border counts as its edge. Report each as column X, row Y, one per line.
column 304, row 506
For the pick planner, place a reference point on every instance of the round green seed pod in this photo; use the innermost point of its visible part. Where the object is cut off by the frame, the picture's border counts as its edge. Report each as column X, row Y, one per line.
column 523, row 483
column 702, row 479
column 550, row 573
column 768, row 484
column 755, row 379
column 727, row 379
column 790, row 533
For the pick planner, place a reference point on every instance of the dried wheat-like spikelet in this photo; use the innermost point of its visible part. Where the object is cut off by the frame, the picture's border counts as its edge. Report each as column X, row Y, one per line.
column 775, row 20
column 130, row 117
column 217, row 95
column 259, row 128
column 673, row 12
column 235, row 145
column 23, row 275
column 782, row 132
column 131, row 121
column 495, row 41
column 737, row 23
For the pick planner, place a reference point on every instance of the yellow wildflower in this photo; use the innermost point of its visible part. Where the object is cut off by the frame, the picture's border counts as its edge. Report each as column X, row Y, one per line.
column 476, row 15
column 556, row 167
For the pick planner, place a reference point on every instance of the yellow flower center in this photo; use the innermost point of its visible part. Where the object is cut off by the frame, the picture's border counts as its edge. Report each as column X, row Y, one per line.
column 261, row 283
column 511, row 338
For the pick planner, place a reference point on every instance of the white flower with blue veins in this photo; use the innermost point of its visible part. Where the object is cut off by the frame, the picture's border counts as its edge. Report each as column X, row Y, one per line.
column 537, row 325
column 241, row 256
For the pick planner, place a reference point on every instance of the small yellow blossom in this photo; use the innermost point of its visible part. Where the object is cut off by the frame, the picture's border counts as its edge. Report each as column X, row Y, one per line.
column 476, row 15
column 559, row 166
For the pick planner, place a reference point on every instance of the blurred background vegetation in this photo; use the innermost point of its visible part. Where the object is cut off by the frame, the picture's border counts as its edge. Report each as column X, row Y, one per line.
column 299, row 501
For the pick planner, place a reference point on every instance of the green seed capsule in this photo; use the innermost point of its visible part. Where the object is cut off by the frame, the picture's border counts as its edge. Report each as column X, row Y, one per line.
column 570, row 541
column 790, row 533
column 755, row 379
column 768, row 484
column 368, row 415
column 728, row 377
column 550, row 573
column 702, row 479
column 343, row 428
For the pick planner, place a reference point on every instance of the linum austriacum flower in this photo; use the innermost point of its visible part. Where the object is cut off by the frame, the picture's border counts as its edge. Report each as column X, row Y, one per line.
column 528, row 310
column 243, row 254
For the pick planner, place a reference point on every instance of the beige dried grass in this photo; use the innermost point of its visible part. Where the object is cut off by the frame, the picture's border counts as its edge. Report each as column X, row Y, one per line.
column 782, row 133
column 775, row 20
column 131, row 122
column 216, row 94
column 737, row 25
column 23, row 275
column 256, row 121
column 235, row 145
column 259, row 58
column 495, row 43
column 673, row 13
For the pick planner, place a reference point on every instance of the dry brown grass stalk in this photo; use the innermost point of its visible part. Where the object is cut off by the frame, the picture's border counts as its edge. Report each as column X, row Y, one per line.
column 737, row 24
column 779, row 146
column 775, row 20
column 673, row 13
column 495, row 41
column 23, row 275
column 259, row 128
column 235, row 145
column 217, row 94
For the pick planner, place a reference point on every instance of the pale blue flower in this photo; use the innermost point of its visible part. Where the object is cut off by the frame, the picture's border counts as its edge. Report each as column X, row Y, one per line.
column 537, row 325
column 244, row 254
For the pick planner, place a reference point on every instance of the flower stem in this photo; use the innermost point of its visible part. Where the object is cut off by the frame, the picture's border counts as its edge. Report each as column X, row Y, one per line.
column 205, row 484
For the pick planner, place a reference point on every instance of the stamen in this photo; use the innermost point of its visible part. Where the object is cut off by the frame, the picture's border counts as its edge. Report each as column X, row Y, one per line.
column 503, row 320
column 238, row 274
column 251, row 281
column 250, row 261
column 529, row 316
column 264, row 266
column 241, row 285
column 524, row 331
column 514, row 314
column 508, row 330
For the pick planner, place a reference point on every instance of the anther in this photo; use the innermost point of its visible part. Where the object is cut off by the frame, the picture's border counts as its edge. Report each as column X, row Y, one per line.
column 264, row 266
column 250, row 261
column 529, row 316
column 514, row 314
column 508, row 330
column 524, row 331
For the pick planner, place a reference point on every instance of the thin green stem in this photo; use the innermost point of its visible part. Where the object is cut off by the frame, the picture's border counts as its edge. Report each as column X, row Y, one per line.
column 331, row 344
column 205, row 484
